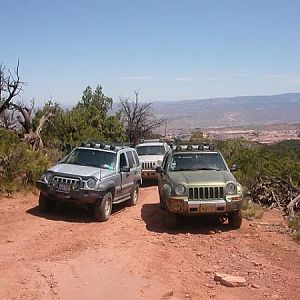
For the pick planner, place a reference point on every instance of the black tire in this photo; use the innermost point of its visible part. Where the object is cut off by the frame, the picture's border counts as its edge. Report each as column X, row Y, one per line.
column 103, row 208
column 161, row 201
column 134, row 196
column 44, row 203
column 170, row 219
column 235, row 219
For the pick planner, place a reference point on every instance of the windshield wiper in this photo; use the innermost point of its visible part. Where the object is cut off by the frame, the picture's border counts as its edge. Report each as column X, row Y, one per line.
column 207, row 169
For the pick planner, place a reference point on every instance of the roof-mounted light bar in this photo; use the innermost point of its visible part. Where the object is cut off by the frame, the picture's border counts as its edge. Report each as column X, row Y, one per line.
column 102, row 145
column 201, row 147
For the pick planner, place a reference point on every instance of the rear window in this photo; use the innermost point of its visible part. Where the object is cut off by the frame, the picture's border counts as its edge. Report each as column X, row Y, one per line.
column 150, row 150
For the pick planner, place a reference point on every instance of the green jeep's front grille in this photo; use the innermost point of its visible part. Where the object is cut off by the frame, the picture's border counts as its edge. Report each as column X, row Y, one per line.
column 204, row 193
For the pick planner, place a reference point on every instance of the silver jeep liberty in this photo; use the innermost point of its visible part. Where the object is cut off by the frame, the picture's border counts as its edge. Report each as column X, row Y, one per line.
column 96, row 175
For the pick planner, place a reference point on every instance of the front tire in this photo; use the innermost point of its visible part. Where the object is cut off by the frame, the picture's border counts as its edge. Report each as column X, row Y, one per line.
column 103, row 208
column 235, row 219
column 161, row 200
column 44, row 203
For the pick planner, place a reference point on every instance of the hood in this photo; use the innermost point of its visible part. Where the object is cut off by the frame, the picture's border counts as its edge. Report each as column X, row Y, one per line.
column 149, row 158
column 82, row 171
column 201, row 177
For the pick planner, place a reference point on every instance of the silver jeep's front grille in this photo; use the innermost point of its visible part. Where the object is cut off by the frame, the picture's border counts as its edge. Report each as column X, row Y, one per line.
column 148, row 165
column 59, row 179
column 206, row 193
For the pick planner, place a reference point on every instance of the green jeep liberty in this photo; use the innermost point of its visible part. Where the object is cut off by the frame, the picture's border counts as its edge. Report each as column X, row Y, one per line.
column 195, row 180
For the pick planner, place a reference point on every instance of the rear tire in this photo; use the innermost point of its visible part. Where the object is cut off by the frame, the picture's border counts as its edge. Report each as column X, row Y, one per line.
column 103, row 208
column 170, row 219
column 134, row 196
column 44, row 203
column 235, row 219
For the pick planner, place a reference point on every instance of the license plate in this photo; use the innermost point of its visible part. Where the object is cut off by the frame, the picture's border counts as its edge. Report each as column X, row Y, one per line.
column 63, row 187
column 207, row 207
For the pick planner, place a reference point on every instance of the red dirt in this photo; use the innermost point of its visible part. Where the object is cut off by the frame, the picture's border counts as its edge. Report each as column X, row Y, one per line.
column 66, row 255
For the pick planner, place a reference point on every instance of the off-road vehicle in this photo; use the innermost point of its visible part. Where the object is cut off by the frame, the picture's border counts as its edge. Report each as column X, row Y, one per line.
column 96, row 175
column 151, row 154
column 195, row 180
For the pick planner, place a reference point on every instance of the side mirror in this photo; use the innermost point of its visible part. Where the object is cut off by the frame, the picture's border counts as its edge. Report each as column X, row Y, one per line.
column 234, row 168
column 125, row 169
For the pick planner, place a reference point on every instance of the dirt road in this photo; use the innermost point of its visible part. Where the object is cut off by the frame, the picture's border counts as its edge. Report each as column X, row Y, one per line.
column 66, row 255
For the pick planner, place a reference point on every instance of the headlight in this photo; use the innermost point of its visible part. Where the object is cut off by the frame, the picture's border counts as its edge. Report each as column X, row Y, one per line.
column 46, row 177
column 180, row 189
column 230, row 188
column 159, row 163
column 91, row 183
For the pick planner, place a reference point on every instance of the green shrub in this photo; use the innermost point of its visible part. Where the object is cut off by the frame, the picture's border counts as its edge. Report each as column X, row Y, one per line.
column 20, row 166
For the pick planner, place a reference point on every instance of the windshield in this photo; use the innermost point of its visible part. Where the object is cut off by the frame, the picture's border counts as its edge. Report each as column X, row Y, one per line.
column 197, row 161
column 92, row 158
column 150, row 150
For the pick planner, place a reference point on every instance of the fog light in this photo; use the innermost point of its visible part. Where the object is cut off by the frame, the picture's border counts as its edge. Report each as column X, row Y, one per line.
column 177, row 208
column 175, row 204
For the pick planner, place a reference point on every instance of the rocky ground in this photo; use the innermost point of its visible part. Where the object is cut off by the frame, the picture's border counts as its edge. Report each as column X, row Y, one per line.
column 66, row 255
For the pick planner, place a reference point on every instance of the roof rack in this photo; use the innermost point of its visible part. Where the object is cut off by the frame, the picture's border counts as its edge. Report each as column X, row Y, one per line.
column 190, row 147
column 104, row 145
column 152, row 141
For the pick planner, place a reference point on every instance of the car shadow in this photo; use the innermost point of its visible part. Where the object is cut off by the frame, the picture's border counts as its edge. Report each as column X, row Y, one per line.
column 149, row 182
column 153, row 216
column 71, row 213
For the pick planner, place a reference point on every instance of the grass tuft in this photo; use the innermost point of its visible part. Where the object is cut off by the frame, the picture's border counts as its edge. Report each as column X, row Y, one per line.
column 294, row 224
column 251, row 210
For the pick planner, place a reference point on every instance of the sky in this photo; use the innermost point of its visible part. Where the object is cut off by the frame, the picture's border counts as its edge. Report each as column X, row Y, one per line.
column 164, row 49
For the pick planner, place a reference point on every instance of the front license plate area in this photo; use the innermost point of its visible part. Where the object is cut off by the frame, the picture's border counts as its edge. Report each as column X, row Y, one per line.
column 207, row 207
column 64, row 187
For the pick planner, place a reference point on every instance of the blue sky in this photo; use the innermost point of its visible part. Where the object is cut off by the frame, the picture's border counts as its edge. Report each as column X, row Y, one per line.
column 165, row 49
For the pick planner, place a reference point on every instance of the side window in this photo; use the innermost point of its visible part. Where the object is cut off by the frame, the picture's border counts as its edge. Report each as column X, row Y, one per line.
column 136, row 158
column 123, row 162
column 130, row 159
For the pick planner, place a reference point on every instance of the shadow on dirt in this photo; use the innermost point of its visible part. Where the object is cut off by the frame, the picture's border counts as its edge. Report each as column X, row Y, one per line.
column 70, row 213
column 149, row 182
column 153, row 216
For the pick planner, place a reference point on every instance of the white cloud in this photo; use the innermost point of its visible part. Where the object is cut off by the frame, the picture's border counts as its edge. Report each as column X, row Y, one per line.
column 235, row 75
column 284, row 78
column 183, row 79
column 275, row 76
column 211, row 78
column 139, row 77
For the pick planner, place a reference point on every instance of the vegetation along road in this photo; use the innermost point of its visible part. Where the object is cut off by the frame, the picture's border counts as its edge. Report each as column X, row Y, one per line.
column 66, row 255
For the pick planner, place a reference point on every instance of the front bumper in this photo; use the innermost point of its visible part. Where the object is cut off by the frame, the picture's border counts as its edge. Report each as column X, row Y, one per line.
column 149, row 174
column 75, row 196
column 183, row 206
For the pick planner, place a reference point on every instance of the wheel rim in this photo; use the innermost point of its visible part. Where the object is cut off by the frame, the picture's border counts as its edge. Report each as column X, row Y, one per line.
column 107, row 207
column 135, row 195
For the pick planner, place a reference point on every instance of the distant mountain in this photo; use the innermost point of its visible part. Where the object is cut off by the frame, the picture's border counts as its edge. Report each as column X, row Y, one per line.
column 186, row 115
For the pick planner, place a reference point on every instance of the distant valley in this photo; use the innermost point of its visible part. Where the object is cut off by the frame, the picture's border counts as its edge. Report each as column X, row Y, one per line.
column 244, row 111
